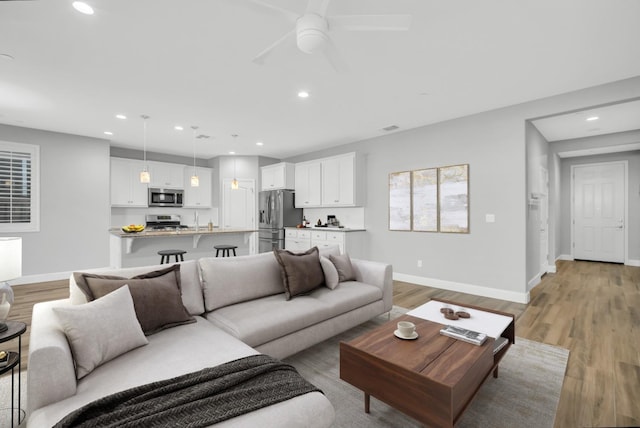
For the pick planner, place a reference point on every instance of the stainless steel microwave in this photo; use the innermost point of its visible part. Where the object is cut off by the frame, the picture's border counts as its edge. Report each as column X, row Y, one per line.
column 165, row 197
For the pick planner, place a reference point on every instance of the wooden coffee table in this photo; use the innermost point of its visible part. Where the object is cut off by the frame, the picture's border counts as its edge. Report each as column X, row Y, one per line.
column 432, row 378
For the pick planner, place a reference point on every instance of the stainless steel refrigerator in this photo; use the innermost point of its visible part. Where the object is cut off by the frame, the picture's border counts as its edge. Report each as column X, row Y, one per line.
column 276, row 210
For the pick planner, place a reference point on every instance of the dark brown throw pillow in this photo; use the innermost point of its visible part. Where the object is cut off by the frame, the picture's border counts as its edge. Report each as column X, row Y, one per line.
column 157, row 296
column 301, row 272
column 344, row 267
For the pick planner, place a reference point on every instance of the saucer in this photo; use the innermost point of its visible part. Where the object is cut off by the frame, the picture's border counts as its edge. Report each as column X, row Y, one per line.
column 413, row 336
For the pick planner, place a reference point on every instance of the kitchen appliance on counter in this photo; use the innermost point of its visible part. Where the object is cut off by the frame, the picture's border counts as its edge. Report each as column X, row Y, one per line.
column 276, row 210
column 163, row 222
column 165, row 197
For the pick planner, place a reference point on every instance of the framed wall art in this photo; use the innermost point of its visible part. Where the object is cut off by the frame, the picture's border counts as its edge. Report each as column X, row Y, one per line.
column 400, row 200
column 454, row 198
column 424, row 194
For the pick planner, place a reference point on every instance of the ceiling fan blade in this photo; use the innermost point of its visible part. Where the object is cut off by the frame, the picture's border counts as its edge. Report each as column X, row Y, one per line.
column 286, row 12
column 335, row 59
column 259, row 59
column 371, row 22
column 319, row 7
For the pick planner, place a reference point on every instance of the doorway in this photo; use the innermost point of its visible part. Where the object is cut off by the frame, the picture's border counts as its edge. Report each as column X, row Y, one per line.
column 599, row 203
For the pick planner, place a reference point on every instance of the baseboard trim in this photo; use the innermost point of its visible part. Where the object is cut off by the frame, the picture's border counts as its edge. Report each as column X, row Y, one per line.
column 476, row 290
column 534, row 281
column 551, row 268
column 45, row 277
column 632, row 262
column 565, row 257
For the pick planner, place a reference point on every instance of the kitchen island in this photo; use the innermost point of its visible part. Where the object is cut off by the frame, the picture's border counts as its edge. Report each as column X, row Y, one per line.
column 141, row 248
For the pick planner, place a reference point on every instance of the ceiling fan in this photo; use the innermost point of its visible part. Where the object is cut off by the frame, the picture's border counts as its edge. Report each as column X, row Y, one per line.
column 312, row 30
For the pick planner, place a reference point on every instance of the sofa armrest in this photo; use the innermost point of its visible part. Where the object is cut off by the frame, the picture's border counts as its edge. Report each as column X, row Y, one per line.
column 51, row 376
column 378, row 274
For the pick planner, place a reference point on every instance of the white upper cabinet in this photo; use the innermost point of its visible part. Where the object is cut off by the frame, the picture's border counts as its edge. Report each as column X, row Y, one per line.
column 308, row 184
column 126, row 189
column 330, row 182
column 277, row 176
column 166, row 175
column 338, row 181
column 197, row 197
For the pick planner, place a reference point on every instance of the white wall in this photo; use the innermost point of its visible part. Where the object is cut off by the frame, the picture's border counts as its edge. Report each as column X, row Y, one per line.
column 537, row 149
column 492, row 259
column 74, row 203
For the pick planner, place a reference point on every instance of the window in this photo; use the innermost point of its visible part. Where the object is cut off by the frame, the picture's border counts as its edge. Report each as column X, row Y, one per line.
column 19, row 187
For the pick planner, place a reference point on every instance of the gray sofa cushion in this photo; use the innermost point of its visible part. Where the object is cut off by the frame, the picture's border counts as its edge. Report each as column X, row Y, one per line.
column 247, row 322
column 229, row 280
column 189, row 282
column 301, row 272
column 156, row 296
column 101, row 330
column 343, row 266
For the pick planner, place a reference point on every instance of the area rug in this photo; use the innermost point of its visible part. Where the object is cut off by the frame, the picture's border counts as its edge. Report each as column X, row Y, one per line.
column 526, row 392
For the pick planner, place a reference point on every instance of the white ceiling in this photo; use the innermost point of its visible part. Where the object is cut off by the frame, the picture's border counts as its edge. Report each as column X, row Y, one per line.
column 590, row 122
column 189, row 63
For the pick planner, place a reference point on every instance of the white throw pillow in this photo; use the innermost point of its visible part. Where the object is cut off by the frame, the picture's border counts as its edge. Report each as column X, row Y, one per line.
column 101, row 330
column 331, row 278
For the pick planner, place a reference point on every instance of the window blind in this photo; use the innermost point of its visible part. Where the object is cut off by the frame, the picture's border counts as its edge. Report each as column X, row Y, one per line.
column 17, row 201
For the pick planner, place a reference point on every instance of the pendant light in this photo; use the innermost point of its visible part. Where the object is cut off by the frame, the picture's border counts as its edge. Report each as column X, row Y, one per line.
column 234, row 182
column 145, row 177
column 195, row 181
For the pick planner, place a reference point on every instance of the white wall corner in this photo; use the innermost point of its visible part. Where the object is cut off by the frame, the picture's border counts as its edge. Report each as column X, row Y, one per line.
column 551, row 268
column 534, row 281
column 476, row 290
column 632, row 262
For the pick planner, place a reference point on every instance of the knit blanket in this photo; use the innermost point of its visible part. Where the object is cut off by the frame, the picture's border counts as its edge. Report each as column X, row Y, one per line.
column 196, row 399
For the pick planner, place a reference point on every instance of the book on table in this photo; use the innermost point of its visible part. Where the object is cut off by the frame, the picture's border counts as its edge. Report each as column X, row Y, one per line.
column 465, row 335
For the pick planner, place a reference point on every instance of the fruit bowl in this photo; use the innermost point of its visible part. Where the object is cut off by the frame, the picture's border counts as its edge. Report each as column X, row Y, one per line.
column 133, row 228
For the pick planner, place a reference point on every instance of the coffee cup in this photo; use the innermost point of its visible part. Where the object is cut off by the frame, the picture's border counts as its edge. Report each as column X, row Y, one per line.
column 406, row 328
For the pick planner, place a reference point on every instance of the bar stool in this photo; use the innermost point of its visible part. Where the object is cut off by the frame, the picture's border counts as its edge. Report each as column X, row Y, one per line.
column 168, row 253
column 225, row 250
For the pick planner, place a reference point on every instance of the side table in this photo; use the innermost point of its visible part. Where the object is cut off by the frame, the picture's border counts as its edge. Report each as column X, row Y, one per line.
column 16, row 329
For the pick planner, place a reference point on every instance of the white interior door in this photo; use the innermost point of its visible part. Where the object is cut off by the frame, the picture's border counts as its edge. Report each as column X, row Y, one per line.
column 599, row 212
column 239, row 206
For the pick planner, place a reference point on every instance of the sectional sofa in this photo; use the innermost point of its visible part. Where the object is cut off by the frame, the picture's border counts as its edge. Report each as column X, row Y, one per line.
column 230, row 308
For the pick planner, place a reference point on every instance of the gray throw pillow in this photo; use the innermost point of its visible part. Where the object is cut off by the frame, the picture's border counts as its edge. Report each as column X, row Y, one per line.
column 301, row 272
column 344, row 267
column 101, row 330
column 331, row 278
column 157, row 296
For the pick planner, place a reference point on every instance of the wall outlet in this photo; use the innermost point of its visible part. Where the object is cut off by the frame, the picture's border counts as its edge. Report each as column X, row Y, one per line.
column 419, row 263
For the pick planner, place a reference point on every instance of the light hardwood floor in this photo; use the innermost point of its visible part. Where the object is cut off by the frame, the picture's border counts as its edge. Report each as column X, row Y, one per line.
column 592, row 309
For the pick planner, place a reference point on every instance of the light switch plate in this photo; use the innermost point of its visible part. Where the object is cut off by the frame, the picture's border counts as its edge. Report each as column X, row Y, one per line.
column 490, row 218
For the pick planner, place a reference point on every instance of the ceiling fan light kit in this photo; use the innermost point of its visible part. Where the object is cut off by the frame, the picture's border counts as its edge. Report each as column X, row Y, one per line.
column 312, row 30
column 311, row 33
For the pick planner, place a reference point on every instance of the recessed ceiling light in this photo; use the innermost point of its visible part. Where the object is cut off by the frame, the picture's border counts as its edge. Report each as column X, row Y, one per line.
column 592, row 118
column 232, row 153
column 178, row 128
column 121, row 116
column 82, row 7
column 303, row 94
column 108, row 133
column 259, row 143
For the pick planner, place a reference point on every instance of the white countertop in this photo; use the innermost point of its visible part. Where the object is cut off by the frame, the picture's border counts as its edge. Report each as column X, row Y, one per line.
column 329, row 229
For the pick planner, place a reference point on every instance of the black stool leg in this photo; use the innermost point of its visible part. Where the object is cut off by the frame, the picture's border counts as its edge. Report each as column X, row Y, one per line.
column 217, row 252
column 181, row 257
column 162, row 259
column 234, row 251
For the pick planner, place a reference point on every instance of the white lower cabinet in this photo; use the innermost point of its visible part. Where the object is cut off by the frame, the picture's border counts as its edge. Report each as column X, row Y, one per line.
column 297, row 240
column 351, row 242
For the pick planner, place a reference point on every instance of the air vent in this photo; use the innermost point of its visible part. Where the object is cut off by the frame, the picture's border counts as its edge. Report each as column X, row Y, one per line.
column 390, row 128
column 203, row 136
